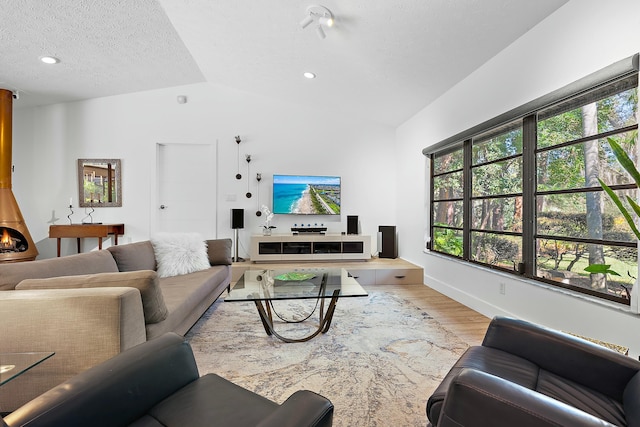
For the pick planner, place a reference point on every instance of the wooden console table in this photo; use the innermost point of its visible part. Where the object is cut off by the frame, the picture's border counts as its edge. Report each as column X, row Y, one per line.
column 80, row 231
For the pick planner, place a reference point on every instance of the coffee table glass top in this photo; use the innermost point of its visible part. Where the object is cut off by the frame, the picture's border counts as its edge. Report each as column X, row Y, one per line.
column 301, row 283
column 15, row 364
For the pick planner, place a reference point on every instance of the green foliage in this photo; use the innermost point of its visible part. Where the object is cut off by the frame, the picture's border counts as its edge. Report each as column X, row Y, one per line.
column 574, row 258
column 631, row 169
column 563, row 168
column 499, row 146
column 502, row 177
column 448, row 241
column 90, row 191
column 448, row 162
column 495, row 250
column 601, row 268
column 448, row 186
column 571, row 224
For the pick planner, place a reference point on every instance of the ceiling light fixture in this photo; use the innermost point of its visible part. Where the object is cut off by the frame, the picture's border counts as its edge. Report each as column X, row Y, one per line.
column 308, row 20
column 49, row 59
column 309, row 75
column 326, row 21
column 319, row 15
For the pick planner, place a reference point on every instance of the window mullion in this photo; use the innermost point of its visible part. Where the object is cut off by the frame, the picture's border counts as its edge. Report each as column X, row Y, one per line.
column 431, row 202
column 466, row 204
column 529, row 141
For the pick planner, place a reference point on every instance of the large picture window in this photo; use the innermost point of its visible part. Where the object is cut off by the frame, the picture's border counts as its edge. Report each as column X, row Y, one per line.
column 523, row 195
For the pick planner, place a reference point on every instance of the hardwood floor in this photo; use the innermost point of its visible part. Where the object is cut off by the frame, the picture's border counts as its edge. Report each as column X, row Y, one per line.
column 469, row 325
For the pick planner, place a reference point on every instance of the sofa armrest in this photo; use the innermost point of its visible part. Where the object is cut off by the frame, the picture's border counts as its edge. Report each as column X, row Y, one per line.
column 478, row 399
column 302, row 408
column 82, row 326
column 570, row 357
column 116, row 392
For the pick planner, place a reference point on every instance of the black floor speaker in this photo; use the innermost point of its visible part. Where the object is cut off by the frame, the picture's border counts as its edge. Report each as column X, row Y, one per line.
column 237, row 218
column 352, row 224
column 387, row 242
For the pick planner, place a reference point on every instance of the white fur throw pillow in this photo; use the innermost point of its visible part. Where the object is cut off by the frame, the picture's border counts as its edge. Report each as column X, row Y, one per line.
column 179, row 253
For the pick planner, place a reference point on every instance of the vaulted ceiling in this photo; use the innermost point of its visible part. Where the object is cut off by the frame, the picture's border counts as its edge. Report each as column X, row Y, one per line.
column 383, row 60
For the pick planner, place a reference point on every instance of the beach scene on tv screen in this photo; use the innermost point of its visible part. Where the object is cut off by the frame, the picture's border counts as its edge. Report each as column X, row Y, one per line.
column 306, row 195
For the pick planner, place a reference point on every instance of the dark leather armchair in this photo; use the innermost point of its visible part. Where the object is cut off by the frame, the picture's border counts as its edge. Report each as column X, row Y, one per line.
column 526, row 375
column 156, row 384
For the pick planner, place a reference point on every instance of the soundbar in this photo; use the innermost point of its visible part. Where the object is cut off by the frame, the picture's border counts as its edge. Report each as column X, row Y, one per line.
column 308, row 229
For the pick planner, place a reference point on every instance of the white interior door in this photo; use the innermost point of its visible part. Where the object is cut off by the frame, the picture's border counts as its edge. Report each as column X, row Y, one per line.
column 186, row 188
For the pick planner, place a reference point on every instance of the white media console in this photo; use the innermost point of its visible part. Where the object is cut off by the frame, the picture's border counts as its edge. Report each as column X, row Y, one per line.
column 309, row 247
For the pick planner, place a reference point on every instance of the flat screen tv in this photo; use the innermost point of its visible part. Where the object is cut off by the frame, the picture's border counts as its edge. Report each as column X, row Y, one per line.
column 306, row 195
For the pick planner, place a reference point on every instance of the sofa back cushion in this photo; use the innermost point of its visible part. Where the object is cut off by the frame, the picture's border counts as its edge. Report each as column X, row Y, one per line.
column 146, row 281
column 72, row 265
column 134, row 256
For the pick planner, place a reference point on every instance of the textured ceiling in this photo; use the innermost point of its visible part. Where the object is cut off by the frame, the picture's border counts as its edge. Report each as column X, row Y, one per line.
column 107, row 47
column 383, row 60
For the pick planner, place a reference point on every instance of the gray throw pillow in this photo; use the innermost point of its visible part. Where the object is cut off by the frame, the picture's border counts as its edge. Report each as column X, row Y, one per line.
column 134, row 256
column 219, row 251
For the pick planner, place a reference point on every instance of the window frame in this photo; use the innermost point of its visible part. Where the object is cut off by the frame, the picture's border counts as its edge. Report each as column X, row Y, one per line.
column 604, row 82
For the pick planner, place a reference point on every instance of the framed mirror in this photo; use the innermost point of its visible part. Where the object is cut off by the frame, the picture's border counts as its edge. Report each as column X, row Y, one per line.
column 99, row 183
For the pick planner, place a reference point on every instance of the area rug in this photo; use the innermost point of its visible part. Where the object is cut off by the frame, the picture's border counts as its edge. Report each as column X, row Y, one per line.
column 378, row 363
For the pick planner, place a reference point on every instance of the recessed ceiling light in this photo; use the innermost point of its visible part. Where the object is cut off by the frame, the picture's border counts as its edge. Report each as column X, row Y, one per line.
column 309, row 75
column 49, row 59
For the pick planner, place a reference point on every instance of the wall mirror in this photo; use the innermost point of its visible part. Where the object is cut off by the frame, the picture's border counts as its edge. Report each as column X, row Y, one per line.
column 99, row 183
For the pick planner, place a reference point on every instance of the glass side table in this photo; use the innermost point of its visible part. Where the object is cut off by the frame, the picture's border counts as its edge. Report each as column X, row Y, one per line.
column 13, row 365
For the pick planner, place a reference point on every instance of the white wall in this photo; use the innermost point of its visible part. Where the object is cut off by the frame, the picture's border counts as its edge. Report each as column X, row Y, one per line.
column 581, row 37
column 281, row 138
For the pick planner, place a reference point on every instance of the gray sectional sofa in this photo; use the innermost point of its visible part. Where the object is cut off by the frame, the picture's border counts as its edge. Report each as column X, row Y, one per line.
column 90, row 307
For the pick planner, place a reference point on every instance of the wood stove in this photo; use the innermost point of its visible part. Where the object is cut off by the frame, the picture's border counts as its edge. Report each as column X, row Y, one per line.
column 16, row 243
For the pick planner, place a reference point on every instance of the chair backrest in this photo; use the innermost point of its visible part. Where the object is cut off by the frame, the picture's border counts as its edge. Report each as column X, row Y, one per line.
column 118, row 391
column 631, row 401
column 562, row 354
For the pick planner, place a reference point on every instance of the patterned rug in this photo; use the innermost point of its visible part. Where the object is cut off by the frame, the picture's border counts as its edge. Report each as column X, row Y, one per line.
column 378, row 363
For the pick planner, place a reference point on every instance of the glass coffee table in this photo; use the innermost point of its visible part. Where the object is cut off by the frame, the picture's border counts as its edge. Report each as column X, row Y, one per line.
column 13, row 365
column 263, row 286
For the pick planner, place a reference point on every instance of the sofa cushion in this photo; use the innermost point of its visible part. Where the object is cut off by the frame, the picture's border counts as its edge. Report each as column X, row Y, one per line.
column 72, row 265
column 187, row 297
column 180, row 253
column 211, row 397
column 134, row 256
column 219, row 251
column 145, row 281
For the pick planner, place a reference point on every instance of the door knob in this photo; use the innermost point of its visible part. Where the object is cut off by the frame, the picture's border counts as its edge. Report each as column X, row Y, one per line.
column 163, row 207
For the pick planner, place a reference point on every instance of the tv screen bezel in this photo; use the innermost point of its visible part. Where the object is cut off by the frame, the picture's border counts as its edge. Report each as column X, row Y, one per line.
column 306, row 179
